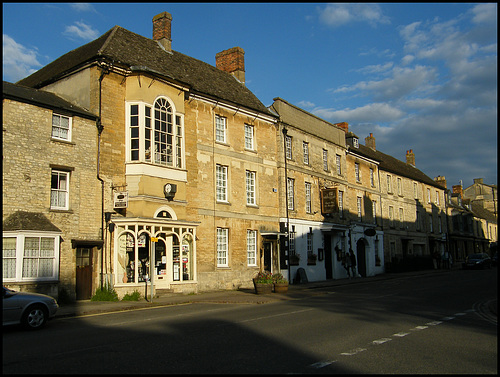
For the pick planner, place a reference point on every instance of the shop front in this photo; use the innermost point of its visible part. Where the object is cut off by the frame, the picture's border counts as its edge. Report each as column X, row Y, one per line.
column 159, row 249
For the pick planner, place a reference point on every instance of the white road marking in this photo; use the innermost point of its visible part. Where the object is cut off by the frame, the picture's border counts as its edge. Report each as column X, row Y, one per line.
column 321, row 364
column 401, row 334
column 353, row 352
column 419, row 328
column 434, row 323
column 381, row 341
column 447, row 318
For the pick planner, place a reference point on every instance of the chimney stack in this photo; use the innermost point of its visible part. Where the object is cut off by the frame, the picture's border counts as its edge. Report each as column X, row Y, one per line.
column 410, row 158
column 441, row 181
column 370, row 141
column 343, row 125
column 457, row 189
column 479, row 181
column 233, row 62
column 162, row 30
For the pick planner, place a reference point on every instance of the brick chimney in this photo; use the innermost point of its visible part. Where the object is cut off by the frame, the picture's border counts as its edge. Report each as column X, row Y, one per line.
column 370, row 141
column 457, row 189
column 162, row 30
column 441, row 181
column 233, row 62
column 410, row 158
column 343, row 125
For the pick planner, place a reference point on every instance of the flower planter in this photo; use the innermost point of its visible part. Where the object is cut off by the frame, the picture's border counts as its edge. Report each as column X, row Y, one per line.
column 263, row 288
column 280, row 287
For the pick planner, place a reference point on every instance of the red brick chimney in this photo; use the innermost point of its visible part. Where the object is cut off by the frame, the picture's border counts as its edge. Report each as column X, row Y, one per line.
column 343, row 125
column 233, row 62
column 162, row 30
column 410, row 157
column 457, row 189
column 370, row 141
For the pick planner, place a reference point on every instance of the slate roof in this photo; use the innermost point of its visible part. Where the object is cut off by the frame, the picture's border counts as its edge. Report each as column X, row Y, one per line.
column 44, row 99
column 393, row 165
column 22, row 220
column 126, row 49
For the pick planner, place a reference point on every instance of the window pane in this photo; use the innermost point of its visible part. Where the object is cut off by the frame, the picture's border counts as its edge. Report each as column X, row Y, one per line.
column 31, row 246
column 30, row 266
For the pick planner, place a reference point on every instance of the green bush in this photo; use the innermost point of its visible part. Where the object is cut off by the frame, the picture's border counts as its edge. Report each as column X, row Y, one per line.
column 134, row 296
column 105, row 294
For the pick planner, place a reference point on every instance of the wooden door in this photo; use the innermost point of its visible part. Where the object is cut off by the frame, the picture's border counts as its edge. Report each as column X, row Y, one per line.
column 83, row 273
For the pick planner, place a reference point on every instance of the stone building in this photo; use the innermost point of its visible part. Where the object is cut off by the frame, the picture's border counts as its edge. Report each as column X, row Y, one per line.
column 188, row 160
column 51, row 206
column 406, row 208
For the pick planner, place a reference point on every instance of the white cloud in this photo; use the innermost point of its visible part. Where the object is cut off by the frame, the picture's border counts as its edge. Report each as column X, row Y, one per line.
column 374, row 112
column 305, row 104
column 339, row 14
column 18, row 61
column 376, row 68
column 82, row 31
column 484, row 13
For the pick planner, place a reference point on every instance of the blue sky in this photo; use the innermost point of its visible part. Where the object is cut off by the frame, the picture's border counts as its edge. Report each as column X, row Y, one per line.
column 418, row 76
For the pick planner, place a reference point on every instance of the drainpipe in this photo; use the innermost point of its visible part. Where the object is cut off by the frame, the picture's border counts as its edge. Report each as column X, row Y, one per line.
column 285, row 132
column 100, row 128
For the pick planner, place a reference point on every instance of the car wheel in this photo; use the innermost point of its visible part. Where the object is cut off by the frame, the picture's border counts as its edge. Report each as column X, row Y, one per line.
column 34, row 317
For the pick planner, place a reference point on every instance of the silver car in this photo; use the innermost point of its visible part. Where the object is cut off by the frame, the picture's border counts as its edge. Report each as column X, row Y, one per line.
column 32, row 310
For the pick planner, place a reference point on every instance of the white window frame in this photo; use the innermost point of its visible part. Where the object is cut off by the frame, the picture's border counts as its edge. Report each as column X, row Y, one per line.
column 309, row 241
column 325, row 160
column 251, row 247
column 220, row 129
column 429, row 195
column 288, row 147
column 60, row 191
column 148, row 144
column 221, row 183
column 222, row 247
column 401, row 217
column 308, row 197
column 355, row 142
column 249, row 137
column 19, row 257
column 374, row 211
column 57, row 129
column 356, row 172
column 372, row 178
column 250, row 187
column 389, row 183
column 415, row 190
column 341, row 204
column 437, row 198
column 290, row 193
column 400, row 186
column 339, row 166
column 305, row 148
column 359, row 203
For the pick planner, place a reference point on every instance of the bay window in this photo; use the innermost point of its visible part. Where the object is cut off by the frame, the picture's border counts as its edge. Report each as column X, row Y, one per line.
column 155, row 134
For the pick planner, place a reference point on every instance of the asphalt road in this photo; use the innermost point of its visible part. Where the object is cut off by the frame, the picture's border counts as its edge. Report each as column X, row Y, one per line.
column 423, row 324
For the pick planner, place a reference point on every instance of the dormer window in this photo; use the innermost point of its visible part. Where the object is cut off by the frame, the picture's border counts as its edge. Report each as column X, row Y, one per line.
column 355, row 142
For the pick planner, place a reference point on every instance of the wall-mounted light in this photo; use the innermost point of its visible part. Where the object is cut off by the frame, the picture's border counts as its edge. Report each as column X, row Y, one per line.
column 169, row 190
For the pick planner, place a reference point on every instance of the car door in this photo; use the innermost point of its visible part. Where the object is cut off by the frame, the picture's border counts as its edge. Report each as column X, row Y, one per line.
column 11, row 307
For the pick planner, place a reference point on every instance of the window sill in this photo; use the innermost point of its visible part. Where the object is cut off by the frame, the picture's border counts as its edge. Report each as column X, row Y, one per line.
column 56, row 210
column 62, row 141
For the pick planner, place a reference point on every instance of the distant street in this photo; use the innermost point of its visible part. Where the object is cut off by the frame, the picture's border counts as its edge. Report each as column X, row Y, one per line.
column 436, row 323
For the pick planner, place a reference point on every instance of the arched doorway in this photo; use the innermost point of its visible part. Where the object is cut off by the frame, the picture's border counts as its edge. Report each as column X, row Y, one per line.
column 361, row 253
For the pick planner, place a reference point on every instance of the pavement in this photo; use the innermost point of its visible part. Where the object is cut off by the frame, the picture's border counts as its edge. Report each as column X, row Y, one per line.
column 242, row 296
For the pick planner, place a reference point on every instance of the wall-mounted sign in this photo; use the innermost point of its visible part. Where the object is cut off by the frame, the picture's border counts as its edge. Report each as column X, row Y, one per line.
column 329, row 200
column 169, row 190
column 120, row 199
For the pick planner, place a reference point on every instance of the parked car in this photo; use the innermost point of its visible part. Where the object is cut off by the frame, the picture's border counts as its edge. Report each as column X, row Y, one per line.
column 32, row 310
column 479, row 260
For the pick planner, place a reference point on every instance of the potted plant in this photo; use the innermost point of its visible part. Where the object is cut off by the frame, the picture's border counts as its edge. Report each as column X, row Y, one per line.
column 280, row 283
column 294, row 259
column 263, row 282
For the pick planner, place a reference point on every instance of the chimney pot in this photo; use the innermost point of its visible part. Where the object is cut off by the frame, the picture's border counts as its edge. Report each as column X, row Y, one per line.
column 162, row 30
column 232, row 61
column 343, row 125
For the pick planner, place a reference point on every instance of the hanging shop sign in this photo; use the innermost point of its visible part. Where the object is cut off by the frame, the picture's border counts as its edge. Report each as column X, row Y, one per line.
column 120, row 199
column 329, row 200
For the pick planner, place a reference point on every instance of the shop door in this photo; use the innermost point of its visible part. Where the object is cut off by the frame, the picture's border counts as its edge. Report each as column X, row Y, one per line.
column 360, row 247
column 83, row 273
column 328, row 256
column 267, row 256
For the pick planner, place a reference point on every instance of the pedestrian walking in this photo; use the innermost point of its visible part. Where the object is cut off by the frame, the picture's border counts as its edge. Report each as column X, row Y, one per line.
column 352, row 257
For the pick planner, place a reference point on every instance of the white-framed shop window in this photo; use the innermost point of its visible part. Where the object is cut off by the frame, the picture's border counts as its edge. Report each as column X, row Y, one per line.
column 30, row 256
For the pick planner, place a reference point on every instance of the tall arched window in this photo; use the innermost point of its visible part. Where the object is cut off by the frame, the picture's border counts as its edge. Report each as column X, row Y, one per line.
column 155, row 133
